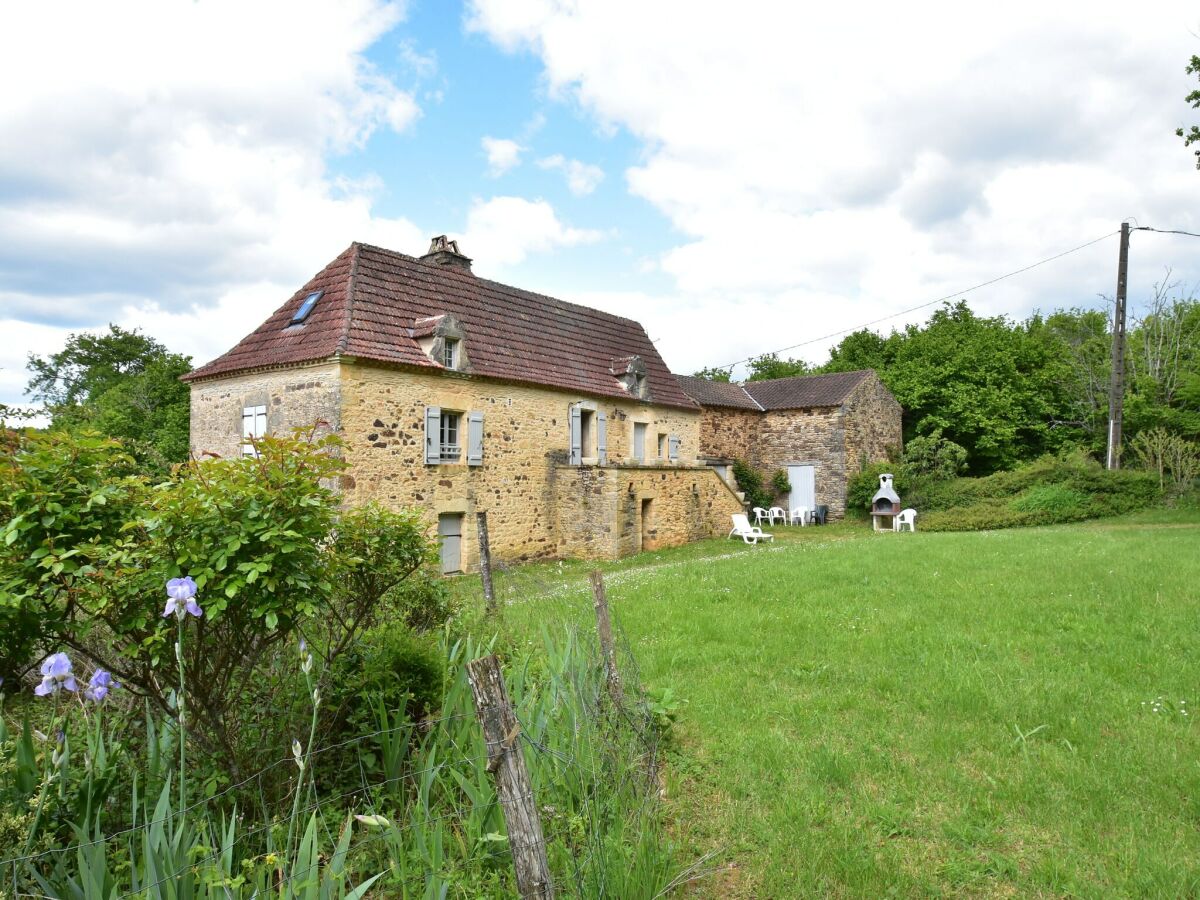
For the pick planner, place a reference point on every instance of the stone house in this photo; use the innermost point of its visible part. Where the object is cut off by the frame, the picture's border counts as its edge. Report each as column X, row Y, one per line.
column 455, row 395
column 820, row 429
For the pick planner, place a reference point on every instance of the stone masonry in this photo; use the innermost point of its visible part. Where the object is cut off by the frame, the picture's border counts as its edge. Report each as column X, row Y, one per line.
column 838, row 439
column 538, row 506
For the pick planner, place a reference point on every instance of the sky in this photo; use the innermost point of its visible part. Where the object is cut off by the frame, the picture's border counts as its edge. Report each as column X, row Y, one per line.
column 740, row 179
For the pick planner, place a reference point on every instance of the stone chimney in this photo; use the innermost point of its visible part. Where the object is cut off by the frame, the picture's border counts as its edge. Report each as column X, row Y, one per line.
column 444, row 252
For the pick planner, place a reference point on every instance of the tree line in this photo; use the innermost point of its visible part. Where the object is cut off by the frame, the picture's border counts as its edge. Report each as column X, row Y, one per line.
column 1008, row 391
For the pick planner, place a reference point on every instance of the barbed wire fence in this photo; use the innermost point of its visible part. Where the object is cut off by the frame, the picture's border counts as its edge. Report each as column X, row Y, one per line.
column 580, row 732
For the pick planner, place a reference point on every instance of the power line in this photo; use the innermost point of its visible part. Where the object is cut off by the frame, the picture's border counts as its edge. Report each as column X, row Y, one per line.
column 1166, row 231
column 949, row 296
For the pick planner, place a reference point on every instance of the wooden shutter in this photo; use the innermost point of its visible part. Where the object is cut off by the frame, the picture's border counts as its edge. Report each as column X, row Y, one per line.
column 601, row 439
column 475, row 439
column 576, row 437
column 433, row 435
column 673, row 447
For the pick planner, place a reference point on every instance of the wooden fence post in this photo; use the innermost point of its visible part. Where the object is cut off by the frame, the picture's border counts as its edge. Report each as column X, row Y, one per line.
column 604, row 627
column 506, row 763
column 485, row 564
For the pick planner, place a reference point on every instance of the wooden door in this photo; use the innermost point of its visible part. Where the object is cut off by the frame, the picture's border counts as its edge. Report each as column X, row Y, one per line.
column 450, row 533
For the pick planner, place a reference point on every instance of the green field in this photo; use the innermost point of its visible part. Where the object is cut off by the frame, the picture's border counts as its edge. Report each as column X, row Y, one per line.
column 996, row 713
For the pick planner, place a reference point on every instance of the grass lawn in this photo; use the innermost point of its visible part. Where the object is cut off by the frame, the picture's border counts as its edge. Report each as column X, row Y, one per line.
column 997, row 713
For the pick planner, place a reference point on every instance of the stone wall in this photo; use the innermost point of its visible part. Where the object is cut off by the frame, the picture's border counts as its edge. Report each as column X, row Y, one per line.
column 526, row 445
column 728, row 433
column 295, row 398
column 613, row 511
column 873, row 425
column 806, row 437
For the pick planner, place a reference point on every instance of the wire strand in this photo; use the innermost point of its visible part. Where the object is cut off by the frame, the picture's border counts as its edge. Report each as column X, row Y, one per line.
column 903, row 312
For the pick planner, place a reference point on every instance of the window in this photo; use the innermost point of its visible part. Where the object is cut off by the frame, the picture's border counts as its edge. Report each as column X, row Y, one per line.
column 662, row 446
column 639, row 441
column 306, row 307
column 586, row 437
column 451, row 450
column 254, row 426
column 450, row 353
column 444, row 436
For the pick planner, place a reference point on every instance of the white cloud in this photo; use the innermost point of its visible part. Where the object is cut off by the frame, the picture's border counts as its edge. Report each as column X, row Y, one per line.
column 503, row 231
column 502, row 154
column 824, row 166
column 582, row 178
column 162, row 154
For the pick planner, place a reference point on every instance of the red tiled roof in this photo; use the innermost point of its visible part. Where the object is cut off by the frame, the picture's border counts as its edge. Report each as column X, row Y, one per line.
column 716, row 393
column 374, row 297
column 802, row 391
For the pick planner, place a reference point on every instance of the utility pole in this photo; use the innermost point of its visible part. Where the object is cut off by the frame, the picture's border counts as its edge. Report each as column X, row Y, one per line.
column 1116, row 387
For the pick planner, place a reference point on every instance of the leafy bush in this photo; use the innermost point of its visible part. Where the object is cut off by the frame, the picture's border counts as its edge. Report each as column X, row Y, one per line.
column 750, row 483
column 1065, row 488
column 780, row 482
column 389, row 665
column 934, row 456
column 88, row 545
column 863, row 485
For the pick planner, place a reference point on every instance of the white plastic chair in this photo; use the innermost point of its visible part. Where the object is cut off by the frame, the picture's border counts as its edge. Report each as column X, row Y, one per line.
column 799, row 515
column 905, row 517
column 778, row 514
column 760, row 515
column 750, row 534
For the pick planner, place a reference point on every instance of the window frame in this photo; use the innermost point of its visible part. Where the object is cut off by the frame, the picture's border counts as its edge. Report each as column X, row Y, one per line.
column 306, row 307
column 450, row 424
column 257, row 414
column 451, row 353
column 634, row 448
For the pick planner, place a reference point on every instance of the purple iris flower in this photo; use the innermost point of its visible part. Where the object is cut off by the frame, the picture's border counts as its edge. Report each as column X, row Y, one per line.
column 181, row 598
column 56, row 674
column 99, row 685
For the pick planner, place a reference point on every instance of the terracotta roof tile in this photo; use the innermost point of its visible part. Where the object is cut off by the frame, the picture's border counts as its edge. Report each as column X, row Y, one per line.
column 716, row 393
column 803, row 391
column 374, row 298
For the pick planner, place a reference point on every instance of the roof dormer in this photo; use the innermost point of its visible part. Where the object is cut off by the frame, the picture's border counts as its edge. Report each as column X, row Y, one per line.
column 443, row 340
column 630, row 371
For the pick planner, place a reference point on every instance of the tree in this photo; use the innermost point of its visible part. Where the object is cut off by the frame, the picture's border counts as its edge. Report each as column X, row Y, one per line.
column 769, row 365
column 989, row 385
column 122, row 383
column 713, row 374
column 1192, row 135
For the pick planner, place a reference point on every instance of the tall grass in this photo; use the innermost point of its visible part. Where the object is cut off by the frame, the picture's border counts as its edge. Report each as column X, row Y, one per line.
column 418, row 819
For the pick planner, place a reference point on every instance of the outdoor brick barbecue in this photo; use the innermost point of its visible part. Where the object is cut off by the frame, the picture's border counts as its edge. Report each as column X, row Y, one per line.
column 885, row 505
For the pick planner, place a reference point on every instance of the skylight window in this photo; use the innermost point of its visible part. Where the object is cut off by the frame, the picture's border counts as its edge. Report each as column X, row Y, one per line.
column 306, row 307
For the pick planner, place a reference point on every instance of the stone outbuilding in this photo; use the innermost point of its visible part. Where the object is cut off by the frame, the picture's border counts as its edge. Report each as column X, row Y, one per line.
column 456, row 395
column 820, row 429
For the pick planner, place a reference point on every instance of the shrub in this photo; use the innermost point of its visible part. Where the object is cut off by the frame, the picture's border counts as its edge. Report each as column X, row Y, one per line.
column 1064, row 488
column 87, row 547
column 67, row 502
column 934, row 456
column 780, row 482
column 391, row 669
column 864, row 484
column 750, row 483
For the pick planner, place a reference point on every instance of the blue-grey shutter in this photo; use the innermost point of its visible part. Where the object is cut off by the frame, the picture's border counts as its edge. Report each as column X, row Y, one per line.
column 576, row 437
column 433, row 435
column 602, row 439
column 673, row 447
column 475, row 439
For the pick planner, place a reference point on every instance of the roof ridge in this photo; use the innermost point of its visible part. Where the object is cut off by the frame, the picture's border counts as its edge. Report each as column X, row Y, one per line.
column 508, row 287
column 810, row 375
column 344, row 339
